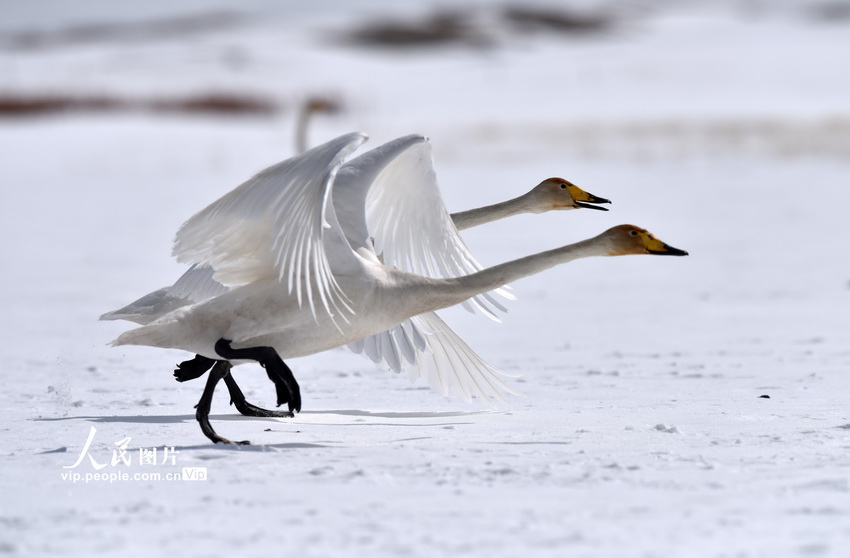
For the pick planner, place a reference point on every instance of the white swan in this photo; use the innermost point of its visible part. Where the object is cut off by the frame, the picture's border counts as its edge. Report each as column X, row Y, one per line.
column 312, row 106
column 424, row 345
column 551, row 194
column 197, row 283
column 300, row 286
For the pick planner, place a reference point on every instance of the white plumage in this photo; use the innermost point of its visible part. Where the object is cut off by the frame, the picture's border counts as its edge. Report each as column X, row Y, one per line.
column 394, row 181
column 313, row 234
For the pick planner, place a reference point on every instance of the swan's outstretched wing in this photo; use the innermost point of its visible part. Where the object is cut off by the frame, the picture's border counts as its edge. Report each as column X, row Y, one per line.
column 428, row 348
column 390, row 348
column 407, row 219
column 281, row 225
column 196, row 285
column 148, row 308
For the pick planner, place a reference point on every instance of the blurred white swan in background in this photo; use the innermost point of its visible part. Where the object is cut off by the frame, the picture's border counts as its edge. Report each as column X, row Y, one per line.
column 301, row 281
column 311, row 107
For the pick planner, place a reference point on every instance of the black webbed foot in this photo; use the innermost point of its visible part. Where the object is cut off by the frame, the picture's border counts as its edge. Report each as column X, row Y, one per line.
column 280, row 387
column 191, row 369
column 250, row 410
column 286, row 386
column 237, row 399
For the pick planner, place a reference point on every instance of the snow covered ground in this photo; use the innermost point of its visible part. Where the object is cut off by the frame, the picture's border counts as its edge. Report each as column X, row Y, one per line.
column 644, row 429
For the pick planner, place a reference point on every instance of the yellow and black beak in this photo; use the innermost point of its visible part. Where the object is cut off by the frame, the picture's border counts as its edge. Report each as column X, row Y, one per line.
column 584, row 199
column 657, row 248
column 667, row 250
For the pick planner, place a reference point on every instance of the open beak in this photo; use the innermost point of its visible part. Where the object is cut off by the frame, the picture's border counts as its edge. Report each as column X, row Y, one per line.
column 594, row 200
column 584, row 199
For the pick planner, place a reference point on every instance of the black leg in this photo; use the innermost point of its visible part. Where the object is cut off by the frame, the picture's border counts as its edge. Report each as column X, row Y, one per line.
column 220, row 370
column 191, row 369
column 237, row 398
column 198, row 366
column 287, row 387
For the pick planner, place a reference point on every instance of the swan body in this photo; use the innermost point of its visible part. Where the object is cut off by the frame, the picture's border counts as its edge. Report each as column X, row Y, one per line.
column 197, row 284
column 424, row 345
column 301, row 273
column 299, row 286
column 380, row 297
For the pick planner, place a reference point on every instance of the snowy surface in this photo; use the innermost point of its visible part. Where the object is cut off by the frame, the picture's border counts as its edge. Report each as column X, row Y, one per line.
column 642, row 430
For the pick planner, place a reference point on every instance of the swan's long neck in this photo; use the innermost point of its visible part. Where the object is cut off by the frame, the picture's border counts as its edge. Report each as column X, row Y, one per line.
column 303, row 119
column 487, row 214
column 449, row 292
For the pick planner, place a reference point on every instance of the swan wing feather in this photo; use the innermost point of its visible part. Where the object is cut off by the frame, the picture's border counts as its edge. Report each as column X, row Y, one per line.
column 408, row 220
column 196, row 285
column 433, row 351
column 280, row 224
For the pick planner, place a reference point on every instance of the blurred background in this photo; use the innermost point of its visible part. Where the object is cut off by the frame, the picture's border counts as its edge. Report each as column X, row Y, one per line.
column 715, row 124
column 593, row 77
column 723, row 127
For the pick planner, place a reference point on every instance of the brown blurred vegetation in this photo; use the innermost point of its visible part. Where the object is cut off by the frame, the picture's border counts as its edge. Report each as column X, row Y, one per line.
column 478, row 28
column 17, row 105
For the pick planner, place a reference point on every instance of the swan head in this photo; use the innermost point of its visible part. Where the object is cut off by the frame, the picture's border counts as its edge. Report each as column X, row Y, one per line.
column 559, row 194
column 629, row 239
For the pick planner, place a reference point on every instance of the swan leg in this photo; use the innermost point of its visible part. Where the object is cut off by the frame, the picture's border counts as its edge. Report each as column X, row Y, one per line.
column 191, row 369
column 220, row 370
column 287, row 387
column 198, row 366
column 237, row 399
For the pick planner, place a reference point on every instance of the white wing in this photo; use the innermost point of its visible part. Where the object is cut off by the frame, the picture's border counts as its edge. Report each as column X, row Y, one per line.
column 280, row 224
column 433, row 351
column 407, row 219
column 196, row 285
column 148, row 308
column 283, row 224
column 407, row 223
